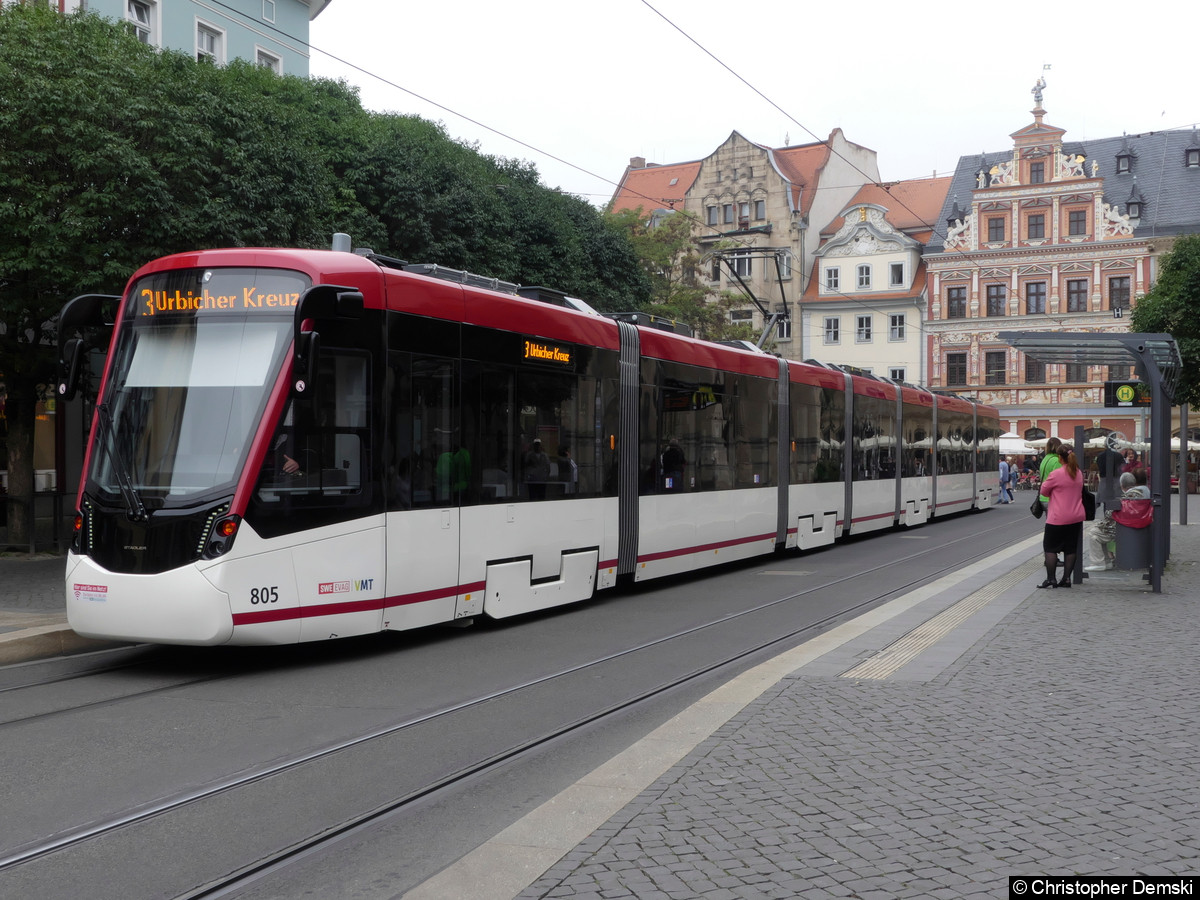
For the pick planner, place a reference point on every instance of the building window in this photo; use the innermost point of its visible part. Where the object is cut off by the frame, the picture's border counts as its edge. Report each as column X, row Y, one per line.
column 1077, row 372
column 1035, row 371
column 994, row 366
column 210, row 43
column 997, row 300
column 995, row 229
column 1077, row 222
column 741, row 317
column 140, row 16
column 1134, row 209
column 268, row 60
column 1118, row 292
column 743, row 215
column 896, row 374
column 1035, row 298
column 833, row 330
column 727, row 213
column 1037, row 226
column 716, row 269
column 785, row 264
column 1191, row 157
column 1124, row 163
column 864, row 277
column 897, row 276
column 760, row 210
column 1077, row 295
column 269, row 10
column 1037, row 173
column 712, row 215
column 956, row 303
column 741, row 264
column 833, row 278
column 956, row 368
column 862, row 331
column 896, row 327
column 1120, row 373
column 783, row 329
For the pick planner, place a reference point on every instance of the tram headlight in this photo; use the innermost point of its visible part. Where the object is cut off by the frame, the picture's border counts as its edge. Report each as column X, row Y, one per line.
column 221, row 539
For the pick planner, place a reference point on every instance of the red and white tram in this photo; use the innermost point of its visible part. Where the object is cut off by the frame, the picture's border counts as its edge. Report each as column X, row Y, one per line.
column 299, row 445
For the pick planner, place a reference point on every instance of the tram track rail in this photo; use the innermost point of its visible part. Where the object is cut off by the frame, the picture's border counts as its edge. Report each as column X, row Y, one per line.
column 303, row 847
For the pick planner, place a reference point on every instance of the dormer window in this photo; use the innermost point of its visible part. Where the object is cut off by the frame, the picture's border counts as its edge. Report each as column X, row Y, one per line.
column 1192, row 157
column 1124, row 163
column 1134, row 209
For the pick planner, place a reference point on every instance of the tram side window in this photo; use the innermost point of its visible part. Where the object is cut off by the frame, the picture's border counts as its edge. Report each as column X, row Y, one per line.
column 874, row 438
column 988, row 449
column 688, row 434
column 953, row 446
column 751, row 441
column 917, row 447
column 426, row 462
column 320, row 451
column 538, row 435
column 818, row 434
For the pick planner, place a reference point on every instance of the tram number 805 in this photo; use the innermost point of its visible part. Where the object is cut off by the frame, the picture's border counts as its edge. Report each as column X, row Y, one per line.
column 264, row 595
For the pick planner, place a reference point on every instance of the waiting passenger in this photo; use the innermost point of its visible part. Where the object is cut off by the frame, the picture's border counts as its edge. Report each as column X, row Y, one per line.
column 1098, row 558
column 1064, row 517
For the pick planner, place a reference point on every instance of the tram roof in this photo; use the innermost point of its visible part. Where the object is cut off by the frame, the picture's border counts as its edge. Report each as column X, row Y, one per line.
column 1103, row 349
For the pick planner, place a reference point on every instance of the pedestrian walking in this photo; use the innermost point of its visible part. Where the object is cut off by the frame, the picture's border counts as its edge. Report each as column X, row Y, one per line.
column 1005, row 487
column 1064, row 516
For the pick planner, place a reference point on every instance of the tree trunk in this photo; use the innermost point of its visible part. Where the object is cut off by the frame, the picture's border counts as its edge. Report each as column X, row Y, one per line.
column 19, row 409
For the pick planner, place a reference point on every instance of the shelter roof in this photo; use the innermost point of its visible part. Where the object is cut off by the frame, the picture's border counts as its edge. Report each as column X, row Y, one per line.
column 1102, row 349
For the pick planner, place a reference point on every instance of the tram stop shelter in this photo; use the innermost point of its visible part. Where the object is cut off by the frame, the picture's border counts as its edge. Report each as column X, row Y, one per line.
column 1155, row 357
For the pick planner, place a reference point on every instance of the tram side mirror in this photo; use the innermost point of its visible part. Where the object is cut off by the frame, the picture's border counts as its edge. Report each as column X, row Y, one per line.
column 304, row 365
column 84, row 311
column 321, row 301
column 69, row 361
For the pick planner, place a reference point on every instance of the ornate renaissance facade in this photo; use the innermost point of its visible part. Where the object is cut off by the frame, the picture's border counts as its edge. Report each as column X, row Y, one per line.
column 759, row 211
column 1052, row 236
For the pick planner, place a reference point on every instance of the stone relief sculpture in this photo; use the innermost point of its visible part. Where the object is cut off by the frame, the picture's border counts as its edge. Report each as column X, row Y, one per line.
column 960, row 235
column 1114, row 224
column 1002, row 173
column 1070, row 166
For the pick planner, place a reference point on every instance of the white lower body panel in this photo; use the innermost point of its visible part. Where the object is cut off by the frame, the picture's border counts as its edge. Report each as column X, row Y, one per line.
column 176, row 607
column 682, row 533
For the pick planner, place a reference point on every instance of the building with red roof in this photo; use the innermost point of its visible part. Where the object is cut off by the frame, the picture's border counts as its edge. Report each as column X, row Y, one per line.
column 759, row 211
column 866, row 301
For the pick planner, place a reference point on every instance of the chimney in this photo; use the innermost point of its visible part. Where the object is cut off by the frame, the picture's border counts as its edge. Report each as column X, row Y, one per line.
column 637, row 162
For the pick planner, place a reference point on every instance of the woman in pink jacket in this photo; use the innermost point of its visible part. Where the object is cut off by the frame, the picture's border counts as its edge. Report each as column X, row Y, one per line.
column 1064, row 517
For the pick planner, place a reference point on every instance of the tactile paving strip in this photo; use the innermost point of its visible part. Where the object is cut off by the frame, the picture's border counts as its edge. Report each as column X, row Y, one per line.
column 889, row 660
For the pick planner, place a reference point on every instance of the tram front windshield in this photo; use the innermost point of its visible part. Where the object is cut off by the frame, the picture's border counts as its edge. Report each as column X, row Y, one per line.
column 192, row 371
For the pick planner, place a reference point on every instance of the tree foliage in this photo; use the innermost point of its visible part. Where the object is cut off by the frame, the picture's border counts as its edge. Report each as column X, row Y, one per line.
column 113, row 153
column 673, row 265
column 1171, row 307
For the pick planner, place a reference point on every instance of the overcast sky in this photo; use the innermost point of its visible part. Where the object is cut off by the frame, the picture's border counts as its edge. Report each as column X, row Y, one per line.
column 595, row 83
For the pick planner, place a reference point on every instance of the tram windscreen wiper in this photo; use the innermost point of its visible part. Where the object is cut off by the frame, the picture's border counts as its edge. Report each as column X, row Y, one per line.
column 133, row 501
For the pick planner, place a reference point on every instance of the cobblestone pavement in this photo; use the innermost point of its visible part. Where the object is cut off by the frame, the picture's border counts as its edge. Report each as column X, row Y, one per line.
column 33, row 584
column 1064, row 740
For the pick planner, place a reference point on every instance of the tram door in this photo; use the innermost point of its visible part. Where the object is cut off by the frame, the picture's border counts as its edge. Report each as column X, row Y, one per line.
column 427, row 469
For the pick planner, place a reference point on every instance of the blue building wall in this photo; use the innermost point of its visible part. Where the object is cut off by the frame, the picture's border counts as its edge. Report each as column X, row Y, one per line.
column 244, row 28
